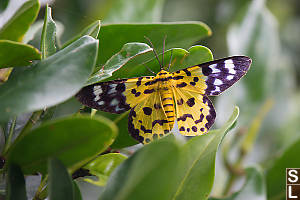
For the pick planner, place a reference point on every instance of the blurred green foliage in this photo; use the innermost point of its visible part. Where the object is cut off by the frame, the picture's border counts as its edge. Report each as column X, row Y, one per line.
column 54, row 54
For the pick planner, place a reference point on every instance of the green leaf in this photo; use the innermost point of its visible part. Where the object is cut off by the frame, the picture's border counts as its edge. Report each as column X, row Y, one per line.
column 60, row 182
column 18, row 18
column 144, row 11
column 181, row 59
column 124, row 138
column 15, row 183
column 253, row 188
column 3, row 5
column 13, row 54
column 134, row 66
column 148, row 174
column 50, row 81
column 185, row 173
column 189, row 33
column 198, row 163
column 103, row 166
column 91, row 30
column 127, row 53
column 276, row 177
column 48, row 47
column 73, row 140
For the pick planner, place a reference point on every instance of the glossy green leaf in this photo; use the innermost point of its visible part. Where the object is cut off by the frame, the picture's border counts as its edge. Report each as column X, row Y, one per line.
column 127, row 53
column 59, row 182
column 73, row 140
column 181, row 59
column 144, row 11
column 189, row 33
column 276, row 176
column 124, row 138
column 50, row 81
column 48, row 47
column 18, row 16
column 15, row 183
column 13, row 54
column 148, row 174
column 142, row 55
column 91, row 30
column 253, row 188
column 198, row 163
column 103, row 166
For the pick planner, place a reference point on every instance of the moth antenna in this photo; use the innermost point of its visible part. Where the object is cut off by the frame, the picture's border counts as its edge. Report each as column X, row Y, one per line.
column 156, row 55
column 163, row 50
column 170, row 60
column 149, row 69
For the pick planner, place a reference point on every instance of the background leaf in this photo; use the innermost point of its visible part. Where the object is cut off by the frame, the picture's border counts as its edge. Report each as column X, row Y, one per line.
column 127, row 53
column 148, row 167
column 198, row 163
column 15, row 183
column 14, row 54
column 91, row 30
column 144, row 11
column 177, row 173
column 189, row 34
column 253, row 188
column 48, row 35
column 18, row 16
column 67, row 139
column 59, row 181
column 103, row 166
column 50, row 81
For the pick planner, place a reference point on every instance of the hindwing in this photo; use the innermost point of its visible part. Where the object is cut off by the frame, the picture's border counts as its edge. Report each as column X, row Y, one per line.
column 195, row 112
column 147, row 120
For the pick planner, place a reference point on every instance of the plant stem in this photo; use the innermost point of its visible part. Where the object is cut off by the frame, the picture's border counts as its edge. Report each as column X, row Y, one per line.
column 31, row 122
column 10, row 134
column 39, row 193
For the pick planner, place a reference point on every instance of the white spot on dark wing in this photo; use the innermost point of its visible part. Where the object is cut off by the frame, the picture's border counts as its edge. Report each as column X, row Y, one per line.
column 112, row 88
column 119, row 109
column 114, row 102
column 215, row 70
column 231, row 71
column 217, row 89
column 96, row 87
column 230, row 77
column 229, row 61
column 96, row 98
column 100, row 103
column 218, row 82
column 97, row 90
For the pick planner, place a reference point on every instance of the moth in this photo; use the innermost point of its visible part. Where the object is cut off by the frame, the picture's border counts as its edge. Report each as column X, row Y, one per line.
column 155, row 102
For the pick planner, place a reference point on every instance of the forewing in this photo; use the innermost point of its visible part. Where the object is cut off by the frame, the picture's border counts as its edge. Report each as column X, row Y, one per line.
column 214, row 77
column 115, row 96
column 195, row 112
column 147, row 120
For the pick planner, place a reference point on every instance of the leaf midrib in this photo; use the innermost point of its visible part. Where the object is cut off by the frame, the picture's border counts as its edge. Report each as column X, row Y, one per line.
column 189, row 170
